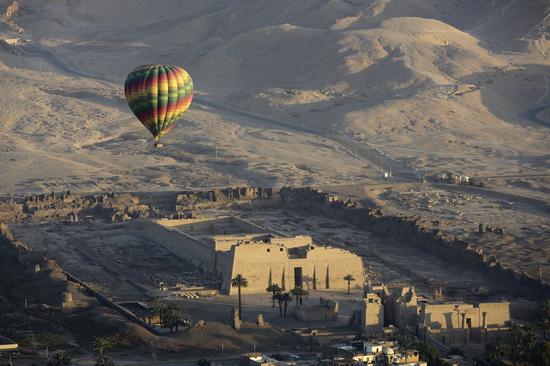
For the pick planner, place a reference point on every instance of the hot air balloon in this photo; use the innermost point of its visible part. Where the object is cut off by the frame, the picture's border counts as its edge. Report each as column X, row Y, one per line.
column 158, row 95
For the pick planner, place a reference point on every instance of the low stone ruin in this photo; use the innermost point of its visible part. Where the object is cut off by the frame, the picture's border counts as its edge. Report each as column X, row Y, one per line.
column 190, row 200
column 261, row 322
column 11, row 211
column 74, row 207
column 326, row 311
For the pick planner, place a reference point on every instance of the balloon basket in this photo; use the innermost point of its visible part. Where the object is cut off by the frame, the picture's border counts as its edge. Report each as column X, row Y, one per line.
column 158, row 145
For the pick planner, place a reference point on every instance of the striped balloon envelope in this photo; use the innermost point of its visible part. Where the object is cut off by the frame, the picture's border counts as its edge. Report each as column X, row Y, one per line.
column 158, row 95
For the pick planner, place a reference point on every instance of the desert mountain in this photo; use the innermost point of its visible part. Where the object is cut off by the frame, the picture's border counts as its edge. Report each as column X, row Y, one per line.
column 433, row 84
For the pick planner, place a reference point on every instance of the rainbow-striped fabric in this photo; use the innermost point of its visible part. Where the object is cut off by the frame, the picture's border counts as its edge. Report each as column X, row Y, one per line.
column 158, row 95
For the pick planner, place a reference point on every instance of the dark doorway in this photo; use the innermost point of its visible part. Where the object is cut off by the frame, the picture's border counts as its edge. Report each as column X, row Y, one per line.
column 469, row 322
column 298, row 276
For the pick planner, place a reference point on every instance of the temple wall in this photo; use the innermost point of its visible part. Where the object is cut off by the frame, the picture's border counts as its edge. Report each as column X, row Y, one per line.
column 257, row 261
column 254, row 262
column 179, row 243
column 456, row 316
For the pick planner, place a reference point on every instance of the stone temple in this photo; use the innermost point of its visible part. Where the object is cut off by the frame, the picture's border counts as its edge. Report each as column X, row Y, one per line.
column 225, row 247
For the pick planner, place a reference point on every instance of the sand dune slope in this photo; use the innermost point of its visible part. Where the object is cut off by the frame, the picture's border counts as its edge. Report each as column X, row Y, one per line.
column 436, row 84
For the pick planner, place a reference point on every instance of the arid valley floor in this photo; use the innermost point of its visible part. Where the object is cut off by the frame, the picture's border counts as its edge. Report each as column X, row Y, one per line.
column 370, row 101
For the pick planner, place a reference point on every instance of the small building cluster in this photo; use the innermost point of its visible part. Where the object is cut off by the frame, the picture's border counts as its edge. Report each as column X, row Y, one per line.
column 384, row 353
column 452, row 178
column 443, row 324
column 260, row 359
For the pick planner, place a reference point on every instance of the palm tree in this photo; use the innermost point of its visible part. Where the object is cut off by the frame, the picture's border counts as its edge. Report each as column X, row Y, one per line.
column 349, row 278
column 273, row 290
column 105, row 361
column 529, row 340
column 60, row 359
column 173, row 321
column 298, row 294
column 495, row 350
column 285, row 298
column 203, row 361
column 546, row 321
column 158, row 309
column 239, row 281
column 305, row 293
column 172, row 315
column 544, row 354
column 545, row 326
column 517, row 351
column 295, row 292
column 279, row 297
column 101, row 345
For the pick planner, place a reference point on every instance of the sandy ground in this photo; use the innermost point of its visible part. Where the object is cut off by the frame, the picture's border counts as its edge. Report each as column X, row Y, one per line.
column 432, row 86
column 115, row 259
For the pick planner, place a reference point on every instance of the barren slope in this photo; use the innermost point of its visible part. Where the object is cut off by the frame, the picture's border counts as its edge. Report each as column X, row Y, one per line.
column 438, row 85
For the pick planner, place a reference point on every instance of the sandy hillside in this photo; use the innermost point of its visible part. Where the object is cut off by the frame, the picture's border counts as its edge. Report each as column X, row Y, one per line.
column 432, row 84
